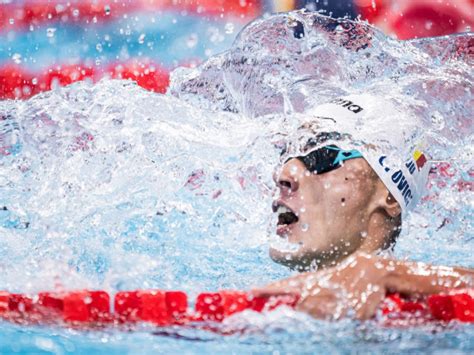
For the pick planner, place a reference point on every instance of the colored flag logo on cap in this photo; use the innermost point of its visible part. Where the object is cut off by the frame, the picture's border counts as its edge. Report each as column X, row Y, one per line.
column 420, row 159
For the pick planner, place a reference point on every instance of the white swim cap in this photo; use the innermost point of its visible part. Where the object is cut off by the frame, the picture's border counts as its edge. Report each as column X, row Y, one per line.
column 378, row 123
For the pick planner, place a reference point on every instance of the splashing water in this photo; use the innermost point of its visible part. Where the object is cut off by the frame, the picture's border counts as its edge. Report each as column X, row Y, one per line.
column 126, row 188
column 289, row 63
column 113, row 187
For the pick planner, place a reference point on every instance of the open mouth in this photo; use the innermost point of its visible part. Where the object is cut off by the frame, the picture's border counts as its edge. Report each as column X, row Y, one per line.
column 285, row 215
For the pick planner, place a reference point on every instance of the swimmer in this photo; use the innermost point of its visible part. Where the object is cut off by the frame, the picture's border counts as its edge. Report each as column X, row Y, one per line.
column 342, row 208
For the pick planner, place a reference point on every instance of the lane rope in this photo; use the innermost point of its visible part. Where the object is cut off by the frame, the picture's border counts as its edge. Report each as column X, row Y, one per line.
column 169, row 308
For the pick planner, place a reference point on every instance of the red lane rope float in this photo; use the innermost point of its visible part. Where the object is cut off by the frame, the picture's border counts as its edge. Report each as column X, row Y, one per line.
column 420, row 18
column 158, row 307
column 18, row 83
column 167, row 308
column 20, row 16
column 458, row 305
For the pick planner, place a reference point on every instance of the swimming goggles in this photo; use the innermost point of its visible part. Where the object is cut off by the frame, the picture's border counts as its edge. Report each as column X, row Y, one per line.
column 325, row 159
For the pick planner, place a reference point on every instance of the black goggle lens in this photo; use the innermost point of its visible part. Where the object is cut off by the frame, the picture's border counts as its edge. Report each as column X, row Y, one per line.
column 327, row 158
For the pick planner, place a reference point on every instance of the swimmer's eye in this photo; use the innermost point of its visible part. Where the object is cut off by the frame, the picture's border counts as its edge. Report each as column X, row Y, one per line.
column 321, row 138
column 310, row 144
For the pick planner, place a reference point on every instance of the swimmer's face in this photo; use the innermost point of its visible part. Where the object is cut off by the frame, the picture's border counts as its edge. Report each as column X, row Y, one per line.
column 331, row 212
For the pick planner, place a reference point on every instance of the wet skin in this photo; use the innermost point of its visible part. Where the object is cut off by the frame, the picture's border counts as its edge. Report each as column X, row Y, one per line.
column 357, row 286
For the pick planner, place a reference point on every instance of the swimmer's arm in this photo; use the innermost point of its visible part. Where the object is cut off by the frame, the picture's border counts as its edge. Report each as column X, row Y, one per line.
column 361, row 283
column 465, row 272
column 418, row 278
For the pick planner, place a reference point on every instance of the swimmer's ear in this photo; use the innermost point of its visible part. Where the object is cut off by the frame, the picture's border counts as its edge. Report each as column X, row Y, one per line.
column 391, row 206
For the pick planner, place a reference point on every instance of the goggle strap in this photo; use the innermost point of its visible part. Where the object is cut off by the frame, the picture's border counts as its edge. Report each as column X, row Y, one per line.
column 346, row 155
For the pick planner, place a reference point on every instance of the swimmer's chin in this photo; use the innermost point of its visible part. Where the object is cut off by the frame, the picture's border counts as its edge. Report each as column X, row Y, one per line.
column 290, row 259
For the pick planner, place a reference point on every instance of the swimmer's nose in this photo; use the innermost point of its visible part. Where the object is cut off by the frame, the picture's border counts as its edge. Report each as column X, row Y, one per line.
column 287, row 178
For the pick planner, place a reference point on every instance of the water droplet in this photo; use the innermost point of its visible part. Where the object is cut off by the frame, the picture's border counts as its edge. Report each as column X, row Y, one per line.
column 292, row 22
column 50, row 32
column 307, row 173
column 192, row 40
column 305, row 227
column 293, row 170
column 339, row 29
column 75, row 12
column 363, row 234
column 16, row 58
column 98, row 47
column 327, row 185
column 34, row 81
column 302, row 209
column 438, row 120
column 141, row 39
column 107, row 9
column 11, row 21
column 229, row 28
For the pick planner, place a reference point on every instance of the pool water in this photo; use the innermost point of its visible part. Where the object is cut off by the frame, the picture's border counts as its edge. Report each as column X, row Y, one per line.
column 108, row 186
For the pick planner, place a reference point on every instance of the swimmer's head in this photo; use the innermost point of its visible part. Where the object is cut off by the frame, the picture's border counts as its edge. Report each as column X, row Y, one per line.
column 336, row 201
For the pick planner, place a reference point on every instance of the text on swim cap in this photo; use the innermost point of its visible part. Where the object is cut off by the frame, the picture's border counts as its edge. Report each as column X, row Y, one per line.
column 402, row 186
column 411, row 167
column 400, row 181
column 347, row 104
